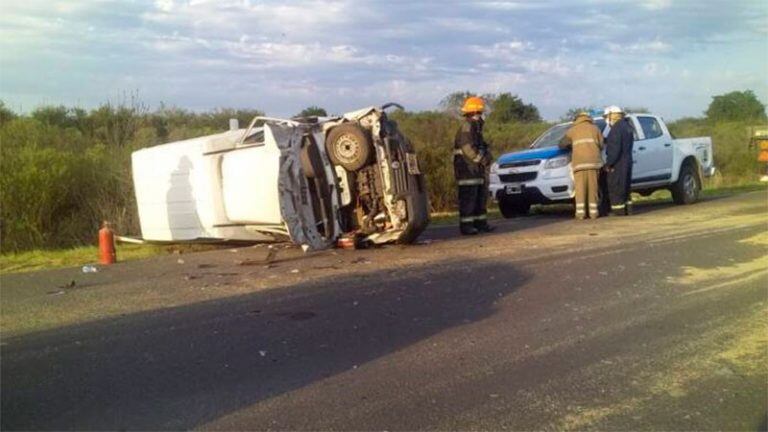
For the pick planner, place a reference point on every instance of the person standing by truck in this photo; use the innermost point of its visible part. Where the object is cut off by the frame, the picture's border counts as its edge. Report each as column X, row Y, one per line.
column 471, row 159
column 586, row 142
column 618, row 163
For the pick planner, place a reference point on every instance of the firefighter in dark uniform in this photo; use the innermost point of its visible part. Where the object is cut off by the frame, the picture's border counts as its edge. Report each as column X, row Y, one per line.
column 618, row 162
column 471, row 160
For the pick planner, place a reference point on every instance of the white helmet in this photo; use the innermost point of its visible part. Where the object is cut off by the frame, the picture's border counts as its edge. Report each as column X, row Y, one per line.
column 613, row 109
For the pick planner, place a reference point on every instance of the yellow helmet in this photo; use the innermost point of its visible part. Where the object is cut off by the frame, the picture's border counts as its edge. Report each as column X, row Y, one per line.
column 473, row 104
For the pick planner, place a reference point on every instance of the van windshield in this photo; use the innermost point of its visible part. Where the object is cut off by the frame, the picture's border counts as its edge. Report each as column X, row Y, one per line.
column 553, row 135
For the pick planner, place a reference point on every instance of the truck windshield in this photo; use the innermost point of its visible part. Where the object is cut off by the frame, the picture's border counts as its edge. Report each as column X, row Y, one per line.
column 553, row 135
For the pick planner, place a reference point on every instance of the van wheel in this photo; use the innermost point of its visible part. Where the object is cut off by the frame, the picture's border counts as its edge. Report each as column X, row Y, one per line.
column 510, row 209
column 687, row 187
column 349, row 146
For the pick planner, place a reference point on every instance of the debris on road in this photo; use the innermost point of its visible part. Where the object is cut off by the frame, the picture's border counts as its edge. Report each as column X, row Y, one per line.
column 295, row 271
column 346, row 242
column 180, row 261
column 361, row 260
column 90, row 269
column 326, row 267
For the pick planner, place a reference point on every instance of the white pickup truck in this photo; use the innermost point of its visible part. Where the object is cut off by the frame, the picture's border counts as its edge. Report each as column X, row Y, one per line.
column 542, row 174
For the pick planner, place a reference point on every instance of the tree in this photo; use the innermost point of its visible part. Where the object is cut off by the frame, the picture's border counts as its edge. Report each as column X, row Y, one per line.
column 60, row 116
column 452, row 103
column 501, row 108
column 312, row 111
column 735, row 106
column 506, row 108
column 6, row 114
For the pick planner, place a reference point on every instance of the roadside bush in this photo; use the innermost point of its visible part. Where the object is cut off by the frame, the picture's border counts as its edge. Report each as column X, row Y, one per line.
column 735, row 160
column 46, row 188
column 432, row 134
column 63, row 170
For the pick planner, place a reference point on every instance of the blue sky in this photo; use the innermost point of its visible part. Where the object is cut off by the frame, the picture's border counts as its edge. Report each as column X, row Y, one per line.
column 281, row 56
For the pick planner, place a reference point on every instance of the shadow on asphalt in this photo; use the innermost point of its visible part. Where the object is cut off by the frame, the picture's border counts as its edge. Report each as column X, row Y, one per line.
column 182, row 367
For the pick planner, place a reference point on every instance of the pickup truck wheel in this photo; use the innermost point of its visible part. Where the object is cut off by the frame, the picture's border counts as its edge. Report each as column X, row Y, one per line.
column 687, row 187
column 349, row 146
column 512, row 209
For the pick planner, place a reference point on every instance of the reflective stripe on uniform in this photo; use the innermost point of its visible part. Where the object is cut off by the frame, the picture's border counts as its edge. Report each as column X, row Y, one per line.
column 584, row 141
column 618, row 207
column 458, row 152
column 481, row 217
column 586, row 166
column 467, row 219
column 579, row 205
column 471, row 182
column 477, row 158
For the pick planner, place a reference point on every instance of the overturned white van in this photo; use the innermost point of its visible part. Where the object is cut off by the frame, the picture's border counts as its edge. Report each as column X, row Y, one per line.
column 310, row 180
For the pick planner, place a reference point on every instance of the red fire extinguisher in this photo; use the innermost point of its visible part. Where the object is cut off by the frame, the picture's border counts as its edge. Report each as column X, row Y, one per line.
column 106, row 244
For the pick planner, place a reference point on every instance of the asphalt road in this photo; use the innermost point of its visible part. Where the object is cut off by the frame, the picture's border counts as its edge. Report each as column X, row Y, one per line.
column 652, row 322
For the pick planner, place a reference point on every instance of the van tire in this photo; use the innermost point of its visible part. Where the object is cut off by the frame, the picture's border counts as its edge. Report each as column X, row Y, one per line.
column 349, row 146
column 688, row 185
column 510, row 209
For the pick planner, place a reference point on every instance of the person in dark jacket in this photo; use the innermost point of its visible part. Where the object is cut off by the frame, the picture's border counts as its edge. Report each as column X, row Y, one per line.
column 471, row 160
column 618, row 163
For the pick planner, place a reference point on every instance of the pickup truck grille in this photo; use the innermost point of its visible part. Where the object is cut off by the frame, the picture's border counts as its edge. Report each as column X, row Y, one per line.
column 524, row 163
column 518, row 177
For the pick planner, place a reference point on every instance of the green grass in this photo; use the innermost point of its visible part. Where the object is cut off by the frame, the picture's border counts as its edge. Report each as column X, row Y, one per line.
column 47, row 259
column 44, row 259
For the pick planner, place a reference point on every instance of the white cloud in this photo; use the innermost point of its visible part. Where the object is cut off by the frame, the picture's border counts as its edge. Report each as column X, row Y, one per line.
column 508, row 50
column 554, row 67
column 654, row 69
column 512, row 5
column 339, row 54
column 652, row 47
column 165, row 6
column 656, row 4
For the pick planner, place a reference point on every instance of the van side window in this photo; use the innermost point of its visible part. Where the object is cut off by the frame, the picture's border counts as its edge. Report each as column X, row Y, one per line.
column 651, row 127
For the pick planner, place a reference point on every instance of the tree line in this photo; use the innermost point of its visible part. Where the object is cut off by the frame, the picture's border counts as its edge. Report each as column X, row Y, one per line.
column 64, row 169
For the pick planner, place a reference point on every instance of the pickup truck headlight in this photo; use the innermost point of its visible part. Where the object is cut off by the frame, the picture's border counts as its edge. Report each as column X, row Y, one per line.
column 557, row 162
column 494, row 168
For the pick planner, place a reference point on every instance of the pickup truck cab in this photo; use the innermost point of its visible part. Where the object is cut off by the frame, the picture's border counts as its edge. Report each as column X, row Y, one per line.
column 542, row 174
column 310, row 180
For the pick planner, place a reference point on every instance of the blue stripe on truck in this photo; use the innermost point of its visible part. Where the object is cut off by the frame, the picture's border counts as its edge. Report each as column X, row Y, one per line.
column 542, row 153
